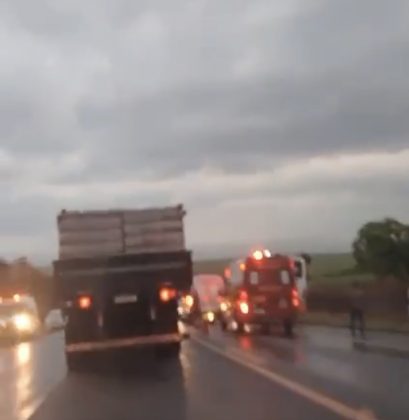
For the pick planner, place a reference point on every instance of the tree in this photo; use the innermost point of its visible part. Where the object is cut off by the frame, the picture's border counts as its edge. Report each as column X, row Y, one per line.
column 383, row 248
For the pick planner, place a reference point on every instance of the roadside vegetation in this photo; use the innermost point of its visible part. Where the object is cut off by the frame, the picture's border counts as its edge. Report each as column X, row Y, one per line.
column 380, row 250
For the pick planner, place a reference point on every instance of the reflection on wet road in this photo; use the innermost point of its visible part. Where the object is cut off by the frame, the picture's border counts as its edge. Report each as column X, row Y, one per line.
column 324, row 359
column 28, row 371
column 206, row 382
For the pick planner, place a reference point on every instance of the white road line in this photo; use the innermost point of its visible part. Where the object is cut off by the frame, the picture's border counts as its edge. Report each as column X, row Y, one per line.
column 316, row 397
column 31, row 406
column 28, row 411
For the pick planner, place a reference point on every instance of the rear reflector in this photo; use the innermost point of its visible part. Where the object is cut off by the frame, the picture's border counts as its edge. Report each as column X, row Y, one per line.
column 84, row 302
column 166, row 294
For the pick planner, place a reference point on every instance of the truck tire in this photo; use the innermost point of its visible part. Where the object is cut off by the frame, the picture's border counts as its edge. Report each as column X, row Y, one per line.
column 168, row 350
column 223, row 325
column 75, row 362
column 288, row 328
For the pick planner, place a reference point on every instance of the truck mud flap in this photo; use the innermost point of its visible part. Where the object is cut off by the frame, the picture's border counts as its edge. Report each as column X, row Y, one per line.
column 123, row 342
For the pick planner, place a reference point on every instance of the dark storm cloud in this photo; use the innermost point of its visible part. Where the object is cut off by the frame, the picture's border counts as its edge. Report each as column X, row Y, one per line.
column 221, row 126
column 349, row 94
column 159, row 91
column 340, row 87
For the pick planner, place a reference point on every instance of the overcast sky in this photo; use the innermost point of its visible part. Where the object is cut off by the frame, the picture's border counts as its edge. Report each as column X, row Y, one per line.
column 276, row 122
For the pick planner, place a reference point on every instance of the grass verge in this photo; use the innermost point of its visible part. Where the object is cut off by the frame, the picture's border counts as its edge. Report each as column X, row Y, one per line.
column 386, row 324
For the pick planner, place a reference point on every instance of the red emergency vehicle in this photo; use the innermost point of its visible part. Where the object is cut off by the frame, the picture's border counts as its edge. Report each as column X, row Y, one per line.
column 260, row 289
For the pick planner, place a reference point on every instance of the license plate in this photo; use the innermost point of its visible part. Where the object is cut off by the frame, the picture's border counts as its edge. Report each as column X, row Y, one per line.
column 282, row 304
column 259, row 311
column 259, row 299
column 125, row 299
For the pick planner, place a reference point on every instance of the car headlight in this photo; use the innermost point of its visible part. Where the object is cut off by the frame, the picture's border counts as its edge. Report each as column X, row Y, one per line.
column 224, row 306
column 23, row 322
column 210, row 316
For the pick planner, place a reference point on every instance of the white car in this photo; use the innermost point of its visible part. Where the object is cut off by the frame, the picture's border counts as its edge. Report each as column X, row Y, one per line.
column 55, row 320
column 18, row 320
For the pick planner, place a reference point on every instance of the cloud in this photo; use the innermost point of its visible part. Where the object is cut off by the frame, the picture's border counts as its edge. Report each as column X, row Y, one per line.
column 235, row 108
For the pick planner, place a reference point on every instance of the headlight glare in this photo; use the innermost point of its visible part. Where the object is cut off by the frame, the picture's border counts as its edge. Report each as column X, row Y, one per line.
column 23, row 322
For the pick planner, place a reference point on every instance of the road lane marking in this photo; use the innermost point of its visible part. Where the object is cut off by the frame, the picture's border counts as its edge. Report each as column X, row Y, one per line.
column 316, row 397
column 31, row 407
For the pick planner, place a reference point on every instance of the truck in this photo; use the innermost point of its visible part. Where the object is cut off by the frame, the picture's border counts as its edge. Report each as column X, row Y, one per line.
column 118, row 277
column 261, row 290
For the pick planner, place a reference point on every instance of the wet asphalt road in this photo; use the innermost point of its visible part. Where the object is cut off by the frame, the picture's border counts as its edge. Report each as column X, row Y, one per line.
column 217, row 376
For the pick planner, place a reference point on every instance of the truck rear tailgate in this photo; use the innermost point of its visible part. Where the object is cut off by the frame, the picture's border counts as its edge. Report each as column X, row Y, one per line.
column 124, row 292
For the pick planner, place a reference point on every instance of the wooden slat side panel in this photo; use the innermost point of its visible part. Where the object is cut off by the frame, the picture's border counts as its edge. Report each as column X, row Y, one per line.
column 115, row 232
column 156, row 240
column 159, row 226
column 156, row 249
column 151, row 215
column 90, row 250
column 88, row 223
column 90, row 236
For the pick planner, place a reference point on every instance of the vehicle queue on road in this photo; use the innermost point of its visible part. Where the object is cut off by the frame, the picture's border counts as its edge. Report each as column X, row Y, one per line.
column 259, row 290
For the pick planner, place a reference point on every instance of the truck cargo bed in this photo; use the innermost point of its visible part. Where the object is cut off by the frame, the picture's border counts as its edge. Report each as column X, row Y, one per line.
column 117, row 232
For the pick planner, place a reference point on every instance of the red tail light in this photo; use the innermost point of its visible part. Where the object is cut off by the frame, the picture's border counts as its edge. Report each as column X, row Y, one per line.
column 166, row 294
column 243, row 302
column 243, row 295
column 84, row 302
column 295, row 298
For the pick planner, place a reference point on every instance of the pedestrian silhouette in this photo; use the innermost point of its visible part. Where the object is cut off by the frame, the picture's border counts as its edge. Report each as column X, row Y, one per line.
column 357, row 310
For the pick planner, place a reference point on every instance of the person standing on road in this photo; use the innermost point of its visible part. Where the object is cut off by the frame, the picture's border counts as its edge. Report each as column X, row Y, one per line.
column 357, row 310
